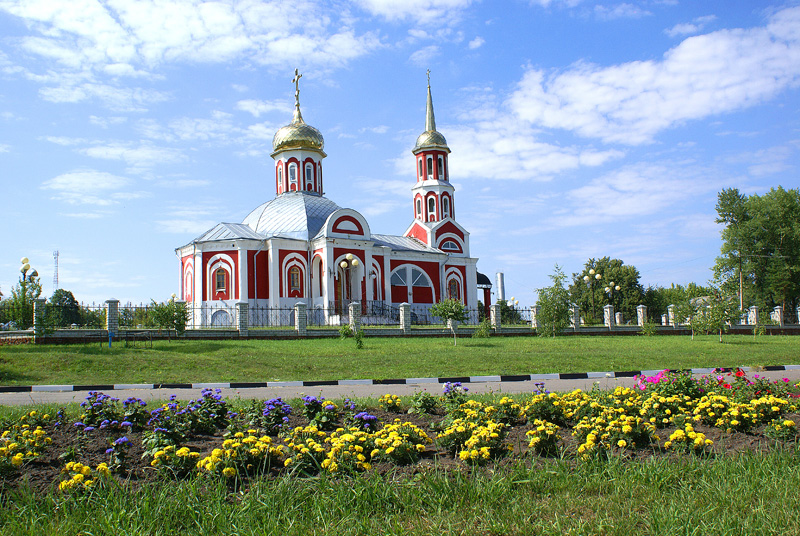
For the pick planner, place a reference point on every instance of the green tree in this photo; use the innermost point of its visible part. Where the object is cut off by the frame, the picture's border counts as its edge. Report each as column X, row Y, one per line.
column 450, row 311
column 170, row 315
column 596, row 285
column 63, row 309
column 658, row 298
column 553, row 303
column 760, row 253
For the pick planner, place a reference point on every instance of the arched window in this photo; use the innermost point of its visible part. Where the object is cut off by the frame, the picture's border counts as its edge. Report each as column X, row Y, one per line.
column 292, row 176
column 294, row 279
column 453, row 290
column 449, row 245
column 445, row 207
column 310, row 177
column 444, row 160
column 431, row 209
column 441, row 168
column 421, row 173
column 220, row 280
column 430, row 167
column 419, row 209
column 280, row 177
column 319, row 179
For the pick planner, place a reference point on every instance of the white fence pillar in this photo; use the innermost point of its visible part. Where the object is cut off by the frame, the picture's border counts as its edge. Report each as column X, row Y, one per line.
column 671, row 316
column 575, row 317
column 608, row 316
column 355, row 316
column 495, row 317
column 301, row 319
column 752, row 316
column 641, row 314
column 405, row 317
column 112, row 316
column 534, row 316
column 243, row 318
column 777, row 315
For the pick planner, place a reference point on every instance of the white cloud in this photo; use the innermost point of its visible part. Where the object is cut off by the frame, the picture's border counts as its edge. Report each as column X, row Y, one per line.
column 142, row 156
column 476, row 43
column 380, row 129
column 705, row 75
column 65, row 141
column 116, row 98
column 424, row 56
column 105, row 122
column 4, row 148
column 690, row 28
column 88, row 187
column 620, row 11
column 434, row 12
column 259, row 107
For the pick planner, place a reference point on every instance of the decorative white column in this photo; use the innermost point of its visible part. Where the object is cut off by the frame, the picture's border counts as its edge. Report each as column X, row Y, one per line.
column 244, row 290
column 243, row 318
column 274, row 278
column 777, row 315
column 405, row 317
column 641, row 314
column 198, row 275
column 301, row 319
column 495, row 317
column 671, row 315
column 575, row 317
column 752, row 316
column 355, row 316
column 534, row 316
column 618, row 317
column 608, row 316
column 112, row 316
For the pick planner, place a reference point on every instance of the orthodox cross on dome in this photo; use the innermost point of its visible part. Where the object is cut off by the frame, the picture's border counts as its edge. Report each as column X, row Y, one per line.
column 428, row 72
column 296, row 81
column 298, row 117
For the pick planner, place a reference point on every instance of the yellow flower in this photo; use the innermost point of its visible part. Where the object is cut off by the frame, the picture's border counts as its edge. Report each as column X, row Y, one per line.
column 622, row 443
column 229, row 472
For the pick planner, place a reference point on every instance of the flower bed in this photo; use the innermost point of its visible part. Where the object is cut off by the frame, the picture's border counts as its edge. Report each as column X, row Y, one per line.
column 665, row 415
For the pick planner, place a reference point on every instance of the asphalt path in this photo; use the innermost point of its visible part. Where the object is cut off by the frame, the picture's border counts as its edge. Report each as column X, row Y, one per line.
column 332, row 392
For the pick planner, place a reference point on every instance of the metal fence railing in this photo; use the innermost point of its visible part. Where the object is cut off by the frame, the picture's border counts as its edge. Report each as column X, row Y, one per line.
column 271, row 317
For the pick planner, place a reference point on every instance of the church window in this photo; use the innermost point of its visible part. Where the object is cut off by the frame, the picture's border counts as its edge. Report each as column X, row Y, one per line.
column 453, row 290
column 444, row 164
column 280, row 177
column 399, row 278
column 294, row 278
column 220, row 280
column 319, row 178
column 419, row 209
column 309, row 177
column 421, row 173
column 431, row 209
column 445, row 207
column 449, row 245
column 418, row 279
column 430, row 167
column 292, row 177
column 441, row 168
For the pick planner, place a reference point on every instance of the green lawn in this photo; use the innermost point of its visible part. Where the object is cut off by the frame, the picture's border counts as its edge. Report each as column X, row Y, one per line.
column 334, row 359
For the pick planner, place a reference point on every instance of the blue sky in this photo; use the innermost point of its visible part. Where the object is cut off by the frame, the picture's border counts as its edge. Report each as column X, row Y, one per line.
column 578, row 129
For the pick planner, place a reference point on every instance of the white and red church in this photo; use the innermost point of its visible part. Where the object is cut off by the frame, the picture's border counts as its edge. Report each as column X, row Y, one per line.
column 301, row 246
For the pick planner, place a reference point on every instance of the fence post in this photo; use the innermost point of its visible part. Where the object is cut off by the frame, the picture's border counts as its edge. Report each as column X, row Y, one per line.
column 355, row 316
column 494, row 313
column 534, row 316
column 798, row 315
column 405, row 318
column 671, row 315
column 38, row 318
column 641, row 314
column 301, row 319
column 777, row 315
column 112, row 316
column 575, row 317
column 618, row 317
column 752, row 315
column 608, row 316
column 243, row 318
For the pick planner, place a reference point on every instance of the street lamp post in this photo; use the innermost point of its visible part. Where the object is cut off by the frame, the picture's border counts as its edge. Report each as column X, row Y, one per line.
column 590, row 280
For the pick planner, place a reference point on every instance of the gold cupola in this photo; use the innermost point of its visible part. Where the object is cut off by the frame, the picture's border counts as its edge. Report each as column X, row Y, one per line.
column 297, row 134
column 431, row 138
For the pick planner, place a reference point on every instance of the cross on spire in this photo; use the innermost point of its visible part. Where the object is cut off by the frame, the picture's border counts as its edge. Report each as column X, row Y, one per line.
column 296, row 80
column 428, row 72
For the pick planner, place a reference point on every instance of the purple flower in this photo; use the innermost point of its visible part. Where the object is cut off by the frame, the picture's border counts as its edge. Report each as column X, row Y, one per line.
column 89, row 429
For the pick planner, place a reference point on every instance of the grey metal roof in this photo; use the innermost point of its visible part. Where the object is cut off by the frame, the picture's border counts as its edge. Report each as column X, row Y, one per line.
column 484, row 281
column 228, row 231
column 402, row 243
column 295, row 215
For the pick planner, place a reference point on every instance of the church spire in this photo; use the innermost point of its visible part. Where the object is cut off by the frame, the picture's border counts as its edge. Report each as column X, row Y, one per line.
column 430, row 120
column 298, row 117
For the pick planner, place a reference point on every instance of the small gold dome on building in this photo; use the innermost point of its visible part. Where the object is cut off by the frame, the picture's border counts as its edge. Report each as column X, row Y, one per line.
column 298, row 135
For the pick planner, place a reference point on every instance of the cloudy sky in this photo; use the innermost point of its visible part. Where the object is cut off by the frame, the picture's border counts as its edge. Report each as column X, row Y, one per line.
column 578, row 129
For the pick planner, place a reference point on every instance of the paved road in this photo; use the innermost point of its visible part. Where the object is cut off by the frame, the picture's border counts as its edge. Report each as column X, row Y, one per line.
column 353, row 391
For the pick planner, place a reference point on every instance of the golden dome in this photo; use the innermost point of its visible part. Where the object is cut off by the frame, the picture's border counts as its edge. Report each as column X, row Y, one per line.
column 298, row 135
column 431, row 139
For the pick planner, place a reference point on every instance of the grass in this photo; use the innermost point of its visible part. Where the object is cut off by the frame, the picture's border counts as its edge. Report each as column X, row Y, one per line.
column 742, row 494
column 334, row 359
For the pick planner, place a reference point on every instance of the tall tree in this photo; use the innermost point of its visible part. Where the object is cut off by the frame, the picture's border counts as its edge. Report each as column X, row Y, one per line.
column 760, row 254
column 64, row 309
column 553, row 305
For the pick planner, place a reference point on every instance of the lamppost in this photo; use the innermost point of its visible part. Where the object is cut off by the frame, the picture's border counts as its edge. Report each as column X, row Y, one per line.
column 349, row 261
column 29, row 277
column 590, row 280
column 610, row 290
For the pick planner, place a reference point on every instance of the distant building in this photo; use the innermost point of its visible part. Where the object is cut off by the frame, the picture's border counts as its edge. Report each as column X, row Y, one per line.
column 303, row 246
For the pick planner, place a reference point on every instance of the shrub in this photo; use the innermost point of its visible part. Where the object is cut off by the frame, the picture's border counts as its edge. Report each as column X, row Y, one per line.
column 423, row 402
column 544, row 438
column 391, row 403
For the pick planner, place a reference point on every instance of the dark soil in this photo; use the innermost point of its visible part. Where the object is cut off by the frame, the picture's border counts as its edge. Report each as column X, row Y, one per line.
column 43, row 474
